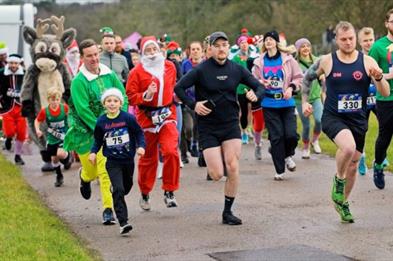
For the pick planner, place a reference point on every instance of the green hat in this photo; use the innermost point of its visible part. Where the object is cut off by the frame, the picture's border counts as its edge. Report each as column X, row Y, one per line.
column 3, row 48
column 106, row 31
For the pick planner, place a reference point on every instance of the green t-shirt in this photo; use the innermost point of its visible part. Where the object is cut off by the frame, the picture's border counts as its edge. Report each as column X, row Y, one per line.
column 241, row 89
column 315, row 91
column 382, row 52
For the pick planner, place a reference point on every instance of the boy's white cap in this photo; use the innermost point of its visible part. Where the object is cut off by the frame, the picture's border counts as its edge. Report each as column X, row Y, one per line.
column 112, row 92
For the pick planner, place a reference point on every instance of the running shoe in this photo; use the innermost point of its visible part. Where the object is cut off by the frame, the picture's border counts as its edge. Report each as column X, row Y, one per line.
column 316, row 147
column 338, row 190
column 244, row 138
column 279, row 176
column 344, row 212
column 306, row 154
column 169, row 199
column 291, row 165
column 229, row 219
column 59, row 181
column 362, row 168
column 18, row 160
column 144, row 202
column 258, row 152
column 85, row 187
column 379, row 177
column 107, row 217
column 125, row 229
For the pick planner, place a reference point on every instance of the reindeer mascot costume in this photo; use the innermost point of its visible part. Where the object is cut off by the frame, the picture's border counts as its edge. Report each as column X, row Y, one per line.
column 48, row 70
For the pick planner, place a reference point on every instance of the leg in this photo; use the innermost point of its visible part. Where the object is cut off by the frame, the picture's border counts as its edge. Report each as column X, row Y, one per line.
column 171, row 169
column 351, row 174
column 385, row 119
column 214, row 162
column 345, row 152
column 115, row 172
column 290, row 134
column 243, row 103
column 147, row 166
column 231, row 150
column 128, row 176
column 105, row 182
column 276, row 136
column 306, row 127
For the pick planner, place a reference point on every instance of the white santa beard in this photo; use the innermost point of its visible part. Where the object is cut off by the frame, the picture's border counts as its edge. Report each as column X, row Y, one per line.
column 156, row 68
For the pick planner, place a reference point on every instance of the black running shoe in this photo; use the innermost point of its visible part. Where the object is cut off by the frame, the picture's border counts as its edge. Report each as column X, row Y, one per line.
column 379, row 178
column 59, row 181
column 107, row 217
column 229, row 219
column 85, row 187
column 125, row 229
column 18, row 160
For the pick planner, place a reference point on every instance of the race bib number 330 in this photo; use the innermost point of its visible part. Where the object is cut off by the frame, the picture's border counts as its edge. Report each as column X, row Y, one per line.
column 349, row 103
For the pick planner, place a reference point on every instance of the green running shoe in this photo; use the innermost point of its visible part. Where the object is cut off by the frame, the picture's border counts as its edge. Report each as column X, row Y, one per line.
column 338, row 190
column 345, row 213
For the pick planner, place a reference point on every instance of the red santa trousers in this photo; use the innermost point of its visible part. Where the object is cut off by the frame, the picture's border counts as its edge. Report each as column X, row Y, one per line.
column 14, row 124
column 167, row 141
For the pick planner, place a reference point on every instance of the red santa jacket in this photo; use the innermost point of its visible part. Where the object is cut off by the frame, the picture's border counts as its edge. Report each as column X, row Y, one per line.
column 139, row 80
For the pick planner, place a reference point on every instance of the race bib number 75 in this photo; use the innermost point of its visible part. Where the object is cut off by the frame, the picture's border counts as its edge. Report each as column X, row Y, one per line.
column 349, row 103
column 117, row 140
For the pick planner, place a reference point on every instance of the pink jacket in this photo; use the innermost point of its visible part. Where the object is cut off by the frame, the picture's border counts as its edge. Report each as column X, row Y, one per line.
column 291, row 69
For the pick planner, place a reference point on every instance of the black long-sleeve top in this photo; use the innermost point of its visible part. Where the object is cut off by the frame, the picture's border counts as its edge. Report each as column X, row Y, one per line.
column 218, row 83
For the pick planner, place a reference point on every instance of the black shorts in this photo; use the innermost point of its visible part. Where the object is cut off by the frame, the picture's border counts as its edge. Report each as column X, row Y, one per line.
column 52, row 148
column 212, row 135
column 332, row 125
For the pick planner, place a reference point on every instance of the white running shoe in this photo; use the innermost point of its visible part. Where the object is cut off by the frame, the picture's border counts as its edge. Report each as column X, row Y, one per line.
column 291, row 165
column 144, row 203
column 316, row 147
column 306, row 154
column 279, row 176
column 181, row 164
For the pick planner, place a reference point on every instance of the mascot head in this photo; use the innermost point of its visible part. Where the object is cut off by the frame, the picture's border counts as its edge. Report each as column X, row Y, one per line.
column 48, row 50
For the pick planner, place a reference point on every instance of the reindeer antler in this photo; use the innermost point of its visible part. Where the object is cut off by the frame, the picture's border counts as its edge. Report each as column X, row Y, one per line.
column 41, row 27
column 58, row 26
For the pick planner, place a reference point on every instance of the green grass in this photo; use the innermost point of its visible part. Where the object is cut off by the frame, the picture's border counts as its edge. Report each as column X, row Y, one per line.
column 28, row 229
column 328, row 147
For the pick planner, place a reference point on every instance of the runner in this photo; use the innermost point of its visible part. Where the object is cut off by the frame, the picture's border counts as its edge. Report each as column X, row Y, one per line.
column 85, row 107
column 55, row 117
column 348, row 75
column 150, row 87
column 282, row 76
column 121, row 137
column 215, row 82
column 14, row 125
column 305, row 58
column 382, row 52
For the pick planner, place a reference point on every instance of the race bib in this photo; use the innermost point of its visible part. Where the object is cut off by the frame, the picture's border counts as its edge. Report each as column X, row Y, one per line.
column 371, row 101
column 159, row 116
column 56, row 134
column 349, row 103
column 276, row 84
column 117, row 140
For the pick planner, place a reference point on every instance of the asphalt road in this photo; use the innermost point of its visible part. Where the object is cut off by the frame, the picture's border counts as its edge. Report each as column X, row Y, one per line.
column 292, row 219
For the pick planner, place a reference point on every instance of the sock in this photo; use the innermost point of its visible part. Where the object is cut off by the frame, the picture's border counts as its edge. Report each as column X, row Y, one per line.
column 18, row 147
column 379, row 166
column 257, row 138
column 145, row 197
column 306, row 144
column 58, row 170
column 315, row 136
column 228, row 203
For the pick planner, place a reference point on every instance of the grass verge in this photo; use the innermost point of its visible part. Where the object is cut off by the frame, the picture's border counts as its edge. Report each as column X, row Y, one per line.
column 28, row 229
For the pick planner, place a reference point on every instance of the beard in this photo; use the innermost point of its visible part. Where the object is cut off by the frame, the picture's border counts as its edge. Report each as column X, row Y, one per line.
column 154, row 64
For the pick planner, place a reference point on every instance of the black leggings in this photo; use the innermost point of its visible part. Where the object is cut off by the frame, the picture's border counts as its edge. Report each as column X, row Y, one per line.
column 385, row 119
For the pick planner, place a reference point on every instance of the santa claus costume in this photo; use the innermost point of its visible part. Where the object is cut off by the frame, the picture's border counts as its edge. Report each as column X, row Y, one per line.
column 157, row 116
column 72, row 59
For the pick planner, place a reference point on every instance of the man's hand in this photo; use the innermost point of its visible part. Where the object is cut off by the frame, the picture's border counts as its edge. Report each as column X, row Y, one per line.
column 376, row 73
column 265, row 82
column 288, row 93
column 307, row 109
column 151, row 90
column 140, row 151
column 250, row 95
column 93, row 158
column 200, row 109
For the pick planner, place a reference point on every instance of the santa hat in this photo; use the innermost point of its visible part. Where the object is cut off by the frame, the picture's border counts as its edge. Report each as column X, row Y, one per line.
column 14, row 58
column 112, row 92
column 148, row 40
column 173, row 47
column 3, row 48
column 73, row 46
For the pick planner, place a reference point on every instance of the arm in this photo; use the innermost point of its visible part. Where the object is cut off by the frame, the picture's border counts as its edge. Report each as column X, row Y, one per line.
column 37, row 122
column 27, row 92
column 66, row 82
column 139, row 135
column 297, row 76
column 187, row 81
column 249, row 80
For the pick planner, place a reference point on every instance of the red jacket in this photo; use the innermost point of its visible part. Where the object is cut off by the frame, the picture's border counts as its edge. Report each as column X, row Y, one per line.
column 138, row 82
